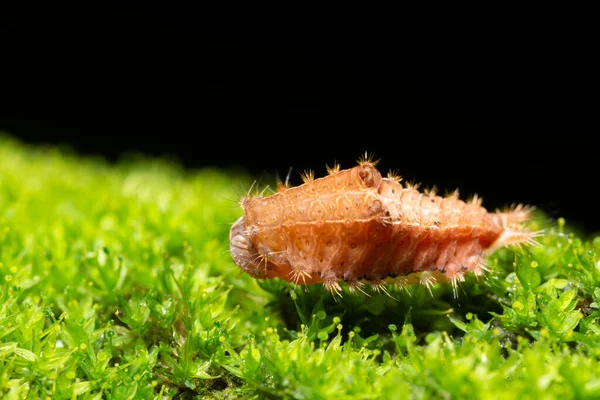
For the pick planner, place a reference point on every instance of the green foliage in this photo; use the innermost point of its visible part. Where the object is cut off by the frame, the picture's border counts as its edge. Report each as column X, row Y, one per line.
column 115, row 282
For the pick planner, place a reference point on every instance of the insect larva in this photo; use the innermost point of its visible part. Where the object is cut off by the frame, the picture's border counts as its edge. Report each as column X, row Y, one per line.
column 355, row 225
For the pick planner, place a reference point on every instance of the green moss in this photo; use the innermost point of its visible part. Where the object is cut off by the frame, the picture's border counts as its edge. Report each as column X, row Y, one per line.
column 115, row 282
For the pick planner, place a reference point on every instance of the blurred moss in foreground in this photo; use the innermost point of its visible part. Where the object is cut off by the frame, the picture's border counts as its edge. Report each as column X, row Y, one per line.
column 115, row 282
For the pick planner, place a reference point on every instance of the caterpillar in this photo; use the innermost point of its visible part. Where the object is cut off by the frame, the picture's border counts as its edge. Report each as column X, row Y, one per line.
column 356, row 226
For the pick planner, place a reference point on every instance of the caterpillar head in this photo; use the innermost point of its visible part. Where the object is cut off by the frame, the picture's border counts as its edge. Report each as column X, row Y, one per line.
column 244, row 254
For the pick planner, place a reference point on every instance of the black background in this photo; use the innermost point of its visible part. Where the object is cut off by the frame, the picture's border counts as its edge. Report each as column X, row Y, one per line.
column 503, row 109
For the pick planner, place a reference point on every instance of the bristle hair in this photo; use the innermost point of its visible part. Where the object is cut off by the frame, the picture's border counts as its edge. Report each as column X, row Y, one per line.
column 308, row 176
column 394, row 175
column 333, row 170
column 367, row 159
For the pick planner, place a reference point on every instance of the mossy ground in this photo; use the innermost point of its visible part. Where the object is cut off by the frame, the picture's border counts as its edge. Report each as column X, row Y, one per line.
column 116, row 283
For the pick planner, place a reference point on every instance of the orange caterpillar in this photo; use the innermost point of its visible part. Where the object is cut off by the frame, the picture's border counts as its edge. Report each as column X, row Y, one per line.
column 355, row 225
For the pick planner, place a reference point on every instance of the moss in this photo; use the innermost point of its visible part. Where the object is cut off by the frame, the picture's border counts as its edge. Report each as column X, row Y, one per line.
column 115, row 282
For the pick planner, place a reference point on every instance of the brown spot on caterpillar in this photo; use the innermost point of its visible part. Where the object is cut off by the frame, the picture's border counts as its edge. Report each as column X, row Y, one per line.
column 354, row 224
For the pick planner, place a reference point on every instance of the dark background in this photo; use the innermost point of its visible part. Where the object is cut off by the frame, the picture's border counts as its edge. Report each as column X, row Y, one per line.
column 499, row 109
